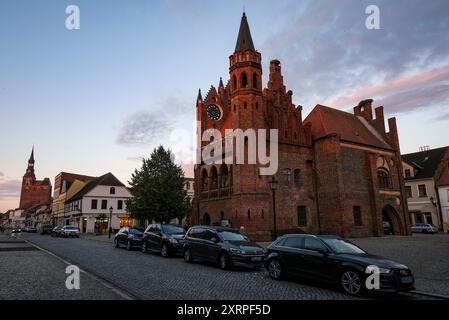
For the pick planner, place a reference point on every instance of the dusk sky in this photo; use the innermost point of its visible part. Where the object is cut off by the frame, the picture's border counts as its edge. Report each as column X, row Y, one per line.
column 98, row 99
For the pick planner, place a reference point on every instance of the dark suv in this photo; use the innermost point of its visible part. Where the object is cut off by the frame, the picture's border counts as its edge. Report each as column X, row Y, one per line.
column 164, row 238
column 225, row 246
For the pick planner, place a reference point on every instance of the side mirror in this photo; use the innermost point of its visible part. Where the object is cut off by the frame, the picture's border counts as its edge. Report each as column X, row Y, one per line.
column 323, row 251
column 215, row 240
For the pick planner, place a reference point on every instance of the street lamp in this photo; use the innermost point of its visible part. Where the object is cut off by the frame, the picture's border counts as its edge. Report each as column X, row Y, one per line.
column 110, row 221
column 273, row 183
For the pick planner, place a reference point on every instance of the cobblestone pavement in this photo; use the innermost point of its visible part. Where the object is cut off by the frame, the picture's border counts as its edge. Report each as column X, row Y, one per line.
column 150, row 276
column 425, row 254
column 28, row 273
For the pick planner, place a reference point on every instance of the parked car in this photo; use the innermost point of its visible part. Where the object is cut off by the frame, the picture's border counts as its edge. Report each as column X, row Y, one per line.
column 70, row 232
column 56, row 232
column 387, row 228
column 424, row 228
column 225, row 246
column 46, row 229
column 334, row 260
column 164, row 238
column 31, row 229
column 16, row 230
column 129, row 236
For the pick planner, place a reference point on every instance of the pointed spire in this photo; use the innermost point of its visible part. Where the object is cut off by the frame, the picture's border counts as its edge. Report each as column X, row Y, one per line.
column 31, row 160
column 200, row 97
column 244, row 40
column 220, row 85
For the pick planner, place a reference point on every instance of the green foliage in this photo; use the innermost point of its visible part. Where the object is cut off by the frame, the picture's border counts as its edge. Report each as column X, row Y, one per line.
column 158, row 189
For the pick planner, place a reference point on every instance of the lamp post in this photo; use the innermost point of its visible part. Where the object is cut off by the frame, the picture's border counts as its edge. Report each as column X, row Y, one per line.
column 110, row 221
column 273, row 183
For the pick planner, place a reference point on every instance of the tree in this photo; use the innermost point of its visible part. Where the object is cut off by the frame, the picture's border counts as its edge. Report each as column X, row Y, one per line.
column 158, row 189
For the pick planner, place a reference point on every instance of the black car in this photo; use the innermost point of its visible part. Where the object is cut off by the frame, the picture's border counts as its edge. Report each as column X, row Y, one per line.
column 46, row 229
column 164, row 238
column 334, row 260
column 129, row 237
column 225, row 246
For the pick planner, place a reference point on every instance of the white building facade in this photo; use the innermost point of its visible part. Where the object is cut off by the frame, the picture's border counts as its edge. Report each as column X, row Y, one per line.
column 100, row 204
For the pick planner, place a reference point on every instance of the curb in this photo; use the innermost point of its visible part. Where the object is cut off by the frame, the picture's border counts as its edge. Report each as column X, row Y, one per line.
column 428, row 294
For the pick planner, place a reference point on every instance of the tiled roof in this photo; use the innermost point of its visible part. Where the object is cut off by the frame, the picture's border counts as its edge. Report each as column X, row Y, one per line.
column 105, row 180
column 244, row 40
column 351, row 128
column 425, row 162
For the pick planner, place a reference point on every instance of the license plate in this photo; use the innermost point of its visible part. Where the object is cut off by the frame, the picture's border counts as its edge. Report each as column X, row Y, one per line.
column 256, row 259
column 407, row 279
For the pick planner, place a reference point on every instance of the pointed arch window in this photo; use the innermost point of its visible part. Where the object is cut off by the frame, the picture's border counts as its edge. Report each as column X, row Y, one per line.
column 244, row 80
column 255, row 81
column 383, row 178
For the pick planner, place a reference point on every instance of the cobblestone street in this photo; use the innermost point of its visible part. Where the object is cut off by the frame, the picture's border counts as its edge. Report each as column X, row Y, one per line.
column 426, row 255
column 150, row 276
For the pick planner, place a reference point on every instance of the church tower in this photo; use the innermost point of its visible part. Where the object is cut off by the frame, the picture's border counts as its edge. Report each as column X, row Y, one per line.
column 29, row 177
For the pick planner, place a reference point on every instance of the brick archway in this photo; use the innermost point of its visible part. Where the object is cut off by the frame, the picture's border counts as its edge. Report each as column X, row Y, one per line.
column 390, row 215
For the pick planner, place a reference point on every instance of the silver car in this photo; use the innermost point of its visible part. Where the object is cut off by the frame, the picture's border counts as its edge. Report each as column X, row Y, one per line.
column 424, row 228
column 70, row 231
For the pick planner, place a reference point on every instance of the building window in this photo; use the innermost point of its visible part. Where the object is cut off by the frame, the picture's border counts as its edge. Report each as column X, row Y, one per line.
column 297, row 177
column 428, row 216
column 249, row 214
column 120, row 204
column 94, row 204
column 287, row 177
column 263, row 214
column 244, row 80
column 234, row 84
column 357, row 211
column 384, row 181
column 407, row 173
column 302, row 216
column 255, row 85
column 408, row 192
column 112, row 190
column 422, row 191
column 104, row 204
column 245, row 105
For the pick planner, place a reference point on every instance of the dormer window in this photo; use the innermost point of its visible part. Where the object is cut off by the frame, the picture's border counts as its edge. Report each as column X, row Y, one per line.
column 408, row 173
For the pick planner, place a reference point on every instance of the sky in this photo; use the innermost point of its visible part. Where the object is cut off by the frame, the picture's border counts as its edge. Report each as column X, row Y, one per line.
column 100, row 98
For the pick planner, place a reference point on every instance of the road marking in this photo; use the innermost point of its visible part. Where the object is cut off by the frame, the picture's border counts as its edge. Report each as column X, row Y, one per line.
column 104, row 282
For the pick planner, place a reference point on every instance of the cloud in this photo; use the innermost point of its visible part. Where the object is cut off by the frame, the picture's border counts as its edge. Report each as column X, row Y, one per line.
column 9, row 188
column 143, row 128
column 404, row 93
column 333, row 58
column 1, row 174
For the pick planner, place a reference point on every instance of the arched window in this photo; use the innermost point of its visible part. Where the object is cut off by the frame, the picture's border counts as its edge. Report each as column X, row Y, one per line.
column 255, row 80
column 234, row 82
column 244, row 80
column 249, row 214
column 112, row 190
column 224, row 177
column 214, row 178
column 204, row 185
column 287, row 177
column 383, row 179
column 297, row 177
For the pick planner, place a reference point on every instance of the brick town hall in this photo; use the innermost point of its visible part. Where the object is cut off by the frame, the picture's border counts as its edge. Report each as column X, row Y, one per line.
column 339, row 173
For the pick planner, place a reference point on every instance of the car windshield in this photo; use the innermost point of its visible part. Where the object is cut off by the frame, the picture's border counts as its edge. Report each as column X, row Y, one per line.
column 137, row 231
column 228, row 235
column 69, row 228
column 342, row 246
column 171, row 229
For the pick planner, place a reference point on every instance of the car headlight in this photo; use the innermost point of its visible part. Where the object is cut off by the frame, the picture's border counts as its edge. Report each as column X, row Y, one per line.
column 173, row 241
column 384, row 270
column 237, row 251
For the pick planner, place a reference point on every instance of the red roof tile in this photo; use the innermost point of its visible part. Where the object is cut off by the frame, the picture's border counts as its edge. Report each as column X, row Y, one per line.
column 351, row 128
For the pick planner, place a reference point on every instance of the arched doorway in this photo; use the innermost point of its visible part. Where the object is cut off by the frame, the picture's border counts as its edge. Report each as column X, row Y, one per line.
column 391, row 218
column 206, row 219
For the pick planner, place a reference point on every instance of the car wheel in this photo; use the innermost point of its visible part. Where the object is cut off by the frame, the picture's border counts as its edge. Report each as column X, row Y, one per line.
column 424, row 231
column 128, row 245
column 351, row 282
column 275, row 269
column 144, row 247
column 223, row 261
column 187, row 255
column 117, row 245
column 164, row 250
